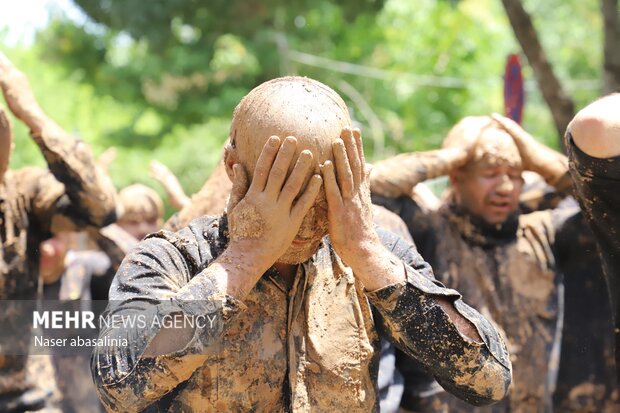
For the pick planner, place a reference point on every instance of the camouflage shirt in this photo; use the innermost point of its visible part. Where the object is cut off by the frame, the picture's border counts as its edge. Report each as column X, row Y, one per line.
column 314, row 347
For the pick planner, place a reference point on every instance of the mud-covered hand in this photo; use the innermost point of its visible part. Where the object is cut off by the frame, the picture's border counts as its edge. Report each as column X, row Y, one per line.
column 159, row 171
column 535, row 156
column 20, row 99
column 264, row 220
column 351, row 228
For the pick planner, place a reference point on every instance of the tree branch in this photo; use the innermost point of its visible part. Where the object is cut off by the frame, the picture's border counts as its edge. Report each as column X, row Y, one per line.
column 561, row 105
column 611, row 63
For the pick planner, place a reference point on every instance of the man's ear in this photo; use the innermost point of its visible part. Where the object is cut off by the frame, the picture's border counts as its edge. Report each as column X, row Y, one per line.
column 230, row 158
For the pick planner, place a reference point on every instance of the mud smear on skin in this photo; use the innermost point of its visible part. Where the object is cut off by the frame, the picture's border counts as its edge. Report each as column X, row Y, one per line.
column 247, row 221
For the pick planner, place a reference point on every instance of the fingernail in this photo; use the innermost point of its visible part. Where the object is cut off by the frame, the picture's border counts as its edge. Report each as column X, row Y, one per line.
column 273, row 141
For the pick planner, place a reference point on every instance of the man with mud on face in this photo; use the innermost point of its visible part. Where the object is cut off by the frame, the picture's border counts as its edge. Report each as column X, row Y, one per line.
column 290, row 274
column 503, row 262
column 34, row 204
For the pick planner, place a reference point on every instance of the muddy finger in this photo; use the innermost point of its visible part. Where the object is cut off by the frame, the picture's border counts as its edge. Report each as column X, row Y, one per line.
column 295, row 181
column 332, row 192
column 353, row 157
column 279, row 169
column 343, row 169
column 263, row 165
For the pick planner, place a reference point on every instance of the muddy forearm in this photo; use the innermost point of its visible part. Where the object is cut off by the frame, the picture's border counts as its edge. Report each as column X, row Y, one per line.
column 378, row 268
column 70, row 160
column 550, row 164
column 159, row 357
column 397, row 176
column 131, row 379
column 432, row 324
column 419, row 324
column 149, row 381
column 178, row 199
column 86, row 185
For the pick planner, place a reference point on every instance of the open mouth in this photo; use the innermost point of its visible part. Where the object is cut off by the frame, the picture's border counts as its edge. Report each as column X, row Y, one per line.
column 500, row 205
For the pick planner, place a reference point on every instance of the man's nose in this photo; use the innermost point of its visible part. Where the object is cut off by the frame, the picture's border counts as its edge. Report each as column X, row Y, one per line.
column 506, row 186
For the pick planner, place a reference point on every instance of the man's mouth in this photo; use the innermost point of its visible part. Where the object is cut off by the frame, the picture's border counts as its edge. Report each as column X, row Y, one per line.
column 500, row 206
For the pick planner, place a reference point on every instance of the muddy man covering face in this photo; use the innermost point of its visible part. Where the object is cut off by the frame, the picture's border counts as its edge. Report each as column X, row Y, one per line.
column 293, row 272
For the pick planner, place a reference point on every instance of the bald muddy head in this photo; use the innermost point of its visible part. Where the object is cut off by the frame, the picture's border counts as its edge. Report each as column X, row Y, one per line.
column 290, row 106
column 6, row 143
column 490, row 184
column 143, row 210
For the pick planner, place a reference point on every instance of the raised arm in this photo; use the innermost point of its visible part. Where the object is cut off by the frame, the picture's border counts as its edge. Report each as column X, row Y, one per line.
column 536, row 157
column 89, row 189
column 458, row 346
column 398, row 176
column 171, row 184
column 210, row 200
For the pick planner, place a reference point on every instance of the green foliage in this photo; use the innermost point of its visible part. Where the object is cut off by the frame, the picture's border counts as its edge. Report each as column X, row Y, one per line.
column 160, row 79
column 192, row 152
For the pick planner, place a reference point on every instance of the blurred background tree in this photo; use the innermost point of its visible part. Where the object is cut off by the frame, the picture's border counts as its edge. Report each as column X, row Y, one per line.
column 159, row 79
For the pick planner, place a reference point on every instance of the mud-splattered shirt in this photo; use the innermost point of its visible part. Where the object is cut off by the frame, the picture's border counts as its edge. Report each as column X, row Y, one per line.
column 508, row 273
column 586, row 376
column 597, row 188
column 314, row 347
column 33, row 204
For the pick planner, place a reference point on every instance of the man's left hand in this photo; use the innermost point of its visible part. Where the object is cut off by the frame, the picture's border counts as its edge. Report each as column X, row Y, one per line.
column 347, row 190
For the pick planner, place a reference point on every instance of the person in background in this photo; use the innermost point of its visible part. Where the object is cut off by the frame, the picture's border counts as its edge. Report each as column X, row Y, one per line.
column 479, row 243
column 36, row 203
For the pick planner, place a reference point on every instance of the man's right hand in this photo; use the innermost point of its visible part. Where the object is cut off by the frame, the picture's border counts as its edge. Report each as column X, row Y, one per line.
column 264, row 221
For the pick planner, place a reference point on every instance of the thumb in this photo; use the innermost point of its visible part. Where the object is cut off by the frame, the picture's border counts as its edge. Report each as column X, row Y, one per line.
column 239, row 188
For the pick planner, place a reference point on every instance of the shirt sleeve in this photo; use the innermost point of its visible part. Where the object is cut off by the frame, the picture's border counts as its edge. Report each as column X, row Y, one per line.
column 597, row 188
column 478, row 373
column 155, row 281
